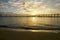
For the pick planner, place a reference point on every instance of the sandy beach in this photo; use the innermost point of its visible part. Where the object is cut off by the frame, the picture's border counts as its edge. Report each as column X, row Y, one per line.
column 9, row 34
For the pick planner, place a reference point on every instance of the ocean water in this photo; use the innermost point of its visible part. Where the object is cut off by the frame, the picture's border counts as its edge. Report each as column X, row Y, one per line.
column 30, row 21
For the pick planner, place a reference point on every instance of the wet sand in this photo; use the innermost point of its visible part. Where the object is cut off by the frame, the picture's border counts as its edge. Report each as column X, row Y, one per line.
column 6, row 34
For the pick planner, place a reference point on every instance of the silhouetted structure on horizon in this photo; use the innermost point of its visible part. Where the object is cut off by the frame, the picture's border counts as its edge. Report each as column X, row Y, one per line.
column 10, row 14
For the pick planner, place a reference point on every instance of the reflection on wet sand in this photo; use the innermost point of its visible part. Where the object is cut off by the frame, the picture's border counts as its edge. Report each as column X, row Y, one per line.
column 24, row 30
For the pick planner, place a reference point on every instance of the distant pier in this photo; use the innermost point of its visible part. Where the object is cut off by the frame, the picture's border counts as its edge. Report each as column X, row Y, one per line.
column 19, row 15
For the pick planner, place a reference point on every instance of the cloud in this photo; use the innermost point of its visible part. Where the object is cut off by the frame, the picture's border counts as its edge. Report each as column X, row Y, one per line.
column 57, row 5
column 30, row 4
column 7, row 8
column 41, row 6
column 4, row 0
column 3, row 6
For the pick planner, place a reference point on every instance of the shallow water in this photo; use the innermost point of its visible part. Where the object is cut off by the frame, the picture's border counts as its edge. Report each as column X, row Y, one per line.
column 29, row 21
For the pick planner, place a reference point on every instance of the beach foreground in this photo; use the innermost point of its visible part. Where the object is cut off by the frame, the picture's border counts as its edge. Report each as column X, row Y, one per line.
column 18, row 34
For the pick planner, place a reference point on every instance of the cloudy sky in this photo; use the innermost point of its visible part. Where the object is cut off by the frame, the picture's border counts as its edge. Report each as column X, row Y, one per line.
column 17, row 5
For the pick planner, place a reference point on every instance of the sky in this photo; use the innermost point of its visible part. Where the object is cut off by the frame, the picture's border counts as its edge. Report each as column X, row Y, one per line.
column 30, row 5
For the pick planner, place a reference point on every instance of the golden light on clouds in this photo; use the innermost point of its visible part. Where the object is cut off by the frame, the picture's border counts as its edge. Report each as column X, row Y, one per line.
column 25, row 6
column 35, row 8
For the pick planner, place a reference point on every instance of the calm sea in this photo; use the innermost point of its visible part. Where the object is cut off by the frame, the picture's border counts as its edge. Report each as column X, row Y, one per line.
column 30, row 21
